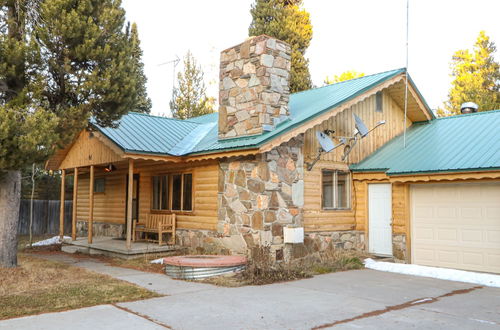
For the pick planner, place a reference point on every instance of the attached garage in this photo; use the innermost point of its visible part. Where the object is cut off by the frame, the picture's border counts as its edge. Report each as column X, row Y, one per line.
column 456, row 225
column 445, row 182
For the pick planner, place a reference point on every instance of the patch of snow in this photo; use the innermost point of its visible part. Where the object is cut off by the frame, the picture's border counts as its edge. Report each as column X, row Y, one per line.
column 483, row 321
column 421, row 301
column 52, row 241
column 435, row 272
column 157, row 261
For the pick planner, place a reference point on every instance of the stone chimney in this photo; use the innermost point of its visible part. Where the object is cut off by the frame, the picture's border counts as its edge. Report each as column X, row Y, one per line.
column 254, row 87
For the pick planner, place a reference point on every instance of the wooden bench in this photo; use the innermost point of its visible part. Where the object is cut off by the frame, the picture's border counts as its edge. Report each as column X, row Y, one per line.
column 156, row 224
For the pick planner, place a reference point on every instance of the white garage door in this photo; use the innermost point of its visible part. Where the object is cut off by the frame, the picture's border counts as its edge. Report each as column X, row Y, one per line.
column 456, row 226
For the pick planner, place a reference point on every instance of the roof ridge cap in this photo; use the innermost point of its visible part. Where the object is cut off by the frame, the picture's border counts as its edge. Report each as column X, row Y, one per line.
column 161, row 117
column 340, row 82
column 458, row 116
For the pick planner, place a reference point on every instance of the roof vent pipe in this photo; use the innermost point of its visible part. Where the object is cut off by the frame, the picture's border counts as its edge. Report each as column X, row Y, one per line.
column 468, row 107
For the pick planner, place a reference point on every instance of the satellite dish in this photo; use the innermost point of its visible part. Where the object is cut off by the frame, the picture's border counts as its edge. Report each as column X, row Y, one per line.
column 326, row 145
column 360, row 126
column 325, row 141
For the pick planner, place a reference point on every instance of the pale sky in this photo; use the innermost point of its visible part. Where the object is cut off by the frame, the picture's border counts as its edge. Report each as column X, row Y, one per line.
column 362, row 35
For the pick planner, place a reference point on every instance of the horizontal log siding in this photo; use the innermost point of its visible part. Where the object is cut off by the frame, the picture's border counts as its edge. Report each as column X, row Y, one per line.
column 205, row 181
column 317, row 219
column 110, row 205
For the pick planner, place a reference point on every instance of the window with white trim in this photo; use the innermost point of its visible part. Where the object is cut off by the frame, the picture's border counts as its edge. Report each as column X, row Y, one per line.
column 336, row 190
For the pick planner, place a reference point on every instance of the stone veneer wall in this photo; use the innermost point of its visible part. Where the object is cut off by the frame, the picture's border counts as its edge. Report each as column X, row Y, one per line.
column 253, row 89
column 399, row 248
column 100, row 229
column 321, row 241
column 260, row 195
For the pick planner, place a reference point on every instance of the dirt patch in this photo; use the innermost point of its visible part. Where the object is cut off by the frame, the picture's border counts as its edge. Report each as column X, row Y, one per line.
column 40, row 286
column 263, row 270
column 415, row 302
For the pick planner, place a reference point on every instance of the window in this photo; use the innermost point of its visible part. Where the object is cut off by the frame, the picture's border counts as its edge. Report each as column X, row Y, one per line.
column 160, row 192
column 336, row 188
column 173, row 192
column 176, row 191
column 188, row 187
column 379, row 102
column 99, row 185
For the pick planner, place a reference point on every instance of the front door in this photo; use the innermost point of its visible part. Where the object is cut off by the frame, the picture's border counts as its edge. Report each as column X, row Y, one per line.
column 135, row 198
column 379, row 219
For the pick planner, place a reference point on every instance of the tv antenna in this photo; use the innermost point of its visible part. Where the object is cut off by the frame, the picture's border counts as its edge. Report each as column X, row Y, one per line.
column 327, row 142
column 174, row 62
column 406, row 69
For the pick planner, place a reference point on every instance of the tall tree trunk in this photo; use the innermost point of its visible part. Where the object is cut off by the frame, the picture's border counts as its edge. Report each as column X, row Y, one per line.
column 10, row 197
column 31, row 202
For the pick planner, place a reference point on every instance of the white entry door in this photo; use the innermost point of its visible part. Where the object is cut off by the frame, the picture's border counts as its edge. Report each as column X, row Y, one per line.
column 379, row 219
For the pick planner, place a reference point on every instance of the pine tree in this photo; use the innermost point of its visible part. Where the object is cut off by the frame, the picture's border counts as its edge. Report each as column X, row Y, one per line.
column 143, row 101
column 346, row 75
column 189, row 98
column 62, row 61
column 476, row 77
column 288, row 21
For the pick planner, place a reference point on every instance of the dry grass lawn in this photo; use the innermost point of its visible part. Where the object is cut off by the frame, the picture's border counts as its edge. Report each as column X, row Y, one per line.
column 40, row 286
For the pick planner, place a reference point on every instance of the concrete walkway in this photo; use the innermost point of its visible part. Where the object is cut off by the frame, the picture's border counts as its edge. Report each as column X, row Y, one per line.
column 159, row 283
column 363, row 299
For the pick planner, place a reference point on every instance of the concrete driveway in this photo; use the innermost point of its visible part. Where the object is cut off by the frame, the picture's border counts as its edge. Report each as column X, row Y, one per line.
column 363, row 299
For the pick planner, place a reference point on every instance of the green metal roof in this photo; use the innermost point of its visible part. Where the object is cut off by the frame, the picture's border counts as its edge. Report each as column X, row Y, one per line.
column 451, row 144
column 159, row 135
column 149, row 134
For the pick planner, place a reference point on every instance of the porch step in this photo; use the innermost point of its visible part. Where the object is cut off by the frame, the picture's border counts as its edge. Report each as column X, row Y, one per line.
column 383, row 258
column 111, row 247
column 74, row 249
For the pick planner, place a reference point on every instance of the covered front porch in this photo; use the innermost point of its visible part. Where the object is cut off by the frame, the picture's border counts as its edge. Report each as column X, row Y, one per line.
column 129, row 203
column 114, row 190
column 113, row 205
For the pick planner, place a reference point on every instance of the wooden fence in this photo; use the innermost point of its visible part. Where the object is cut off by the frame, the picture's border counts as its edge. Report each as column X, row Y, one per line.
column 45, row 217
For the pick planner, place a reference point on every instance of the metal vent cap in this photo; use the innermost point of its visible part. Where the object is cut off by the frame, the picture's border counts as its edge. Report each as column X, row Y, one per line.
column 469, row 107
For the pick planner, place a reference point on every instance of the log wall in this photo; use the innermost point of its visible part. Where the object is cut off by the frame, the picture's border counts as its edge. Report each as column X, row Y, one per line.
column 315, row 217
column 109, row 207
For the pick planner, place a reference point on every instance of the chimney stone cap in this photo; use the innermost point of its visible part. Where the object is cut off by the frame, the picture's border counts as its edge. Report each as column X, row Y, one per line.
column 259, row 37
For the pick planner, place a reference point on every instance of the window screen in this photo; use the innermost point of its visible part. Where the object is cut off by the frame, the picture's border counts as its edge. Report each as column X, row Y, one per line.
column 176, row 191
column 187, row 192
column 99, row 185
column 335, row 189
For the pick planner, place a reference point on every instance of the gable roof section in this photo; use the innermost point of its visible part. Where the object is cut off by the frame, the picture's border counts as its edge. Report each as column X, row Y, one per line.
column 140, row 133
column 149, row 134
column 468, row 142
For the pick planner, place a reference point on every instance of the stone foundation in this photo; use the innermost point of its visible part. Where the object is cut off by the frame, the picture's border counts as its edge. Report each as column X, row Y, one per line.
column 399, row 249
column 100, row 229
column 202, row 242
column 346, row 240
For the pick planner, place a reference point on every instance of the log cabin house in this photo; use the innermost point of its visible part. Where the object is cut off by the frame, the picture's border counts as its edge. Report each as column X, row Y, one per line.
column 239, row 178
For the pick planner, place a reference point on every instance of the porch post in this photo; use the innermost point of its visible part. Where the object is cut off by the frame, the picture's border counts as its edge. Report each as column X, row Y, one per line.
column 129, row 201
column 61, row 207
column 91, row 204
column 75, row 204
